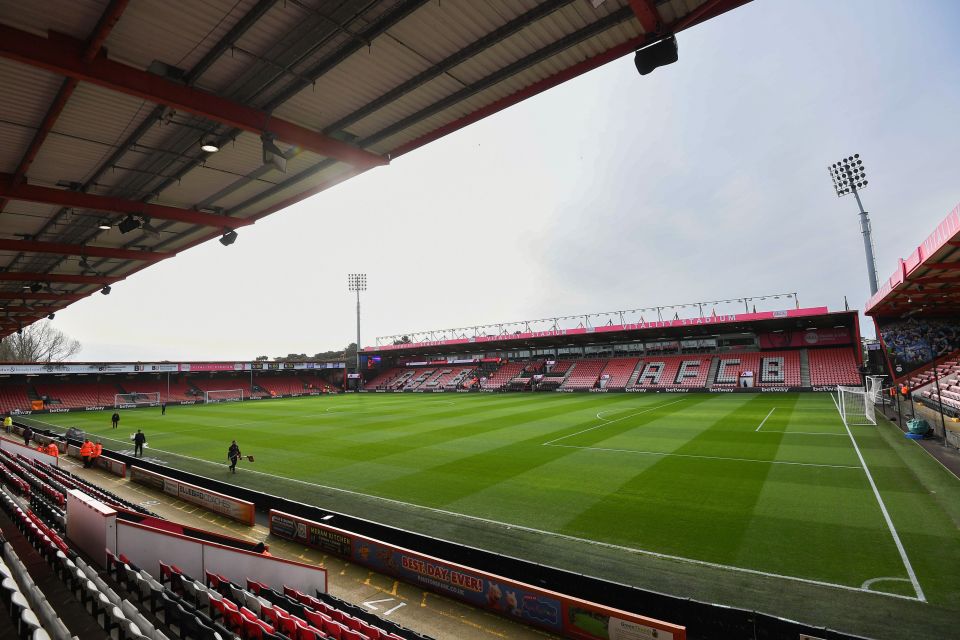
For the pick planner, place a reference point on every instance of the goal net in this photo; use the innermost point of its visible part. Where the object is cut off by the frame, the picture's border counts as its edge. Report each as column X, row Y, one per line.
column 875, row 388
column 856, row 406
column 145, row 399
column 223, row 395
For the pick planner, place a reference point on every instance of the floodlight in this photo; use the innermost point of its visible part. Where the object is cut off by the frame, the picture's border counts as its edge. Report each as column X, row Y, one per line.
column 850, row 176
column 209, row 145
column 128, row 224
column 658, row 54
column 35, row 287
column 106, row 290
column 105, row 225
column 51, row 316
column 228, row 238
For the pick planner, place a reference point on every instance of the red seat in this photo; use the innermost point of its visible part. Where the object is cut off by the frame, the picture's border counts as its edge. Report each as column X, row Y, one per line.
column 332, row 629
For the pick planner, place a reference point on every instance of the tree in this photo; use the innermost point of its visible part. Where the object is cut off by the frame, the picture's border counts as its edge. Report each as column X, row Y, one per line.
column 261, row 358
column 40, row 342
column 402, row 340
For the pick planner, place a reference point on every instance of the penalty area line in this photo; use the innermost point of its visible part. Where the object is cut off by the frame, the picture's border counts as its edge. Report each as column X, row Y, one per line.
column 765, row 419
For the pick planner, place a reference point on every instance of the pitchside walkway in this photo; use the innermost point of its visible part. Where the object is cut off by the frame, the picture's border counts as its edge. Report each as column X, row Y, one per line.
column 414, row 608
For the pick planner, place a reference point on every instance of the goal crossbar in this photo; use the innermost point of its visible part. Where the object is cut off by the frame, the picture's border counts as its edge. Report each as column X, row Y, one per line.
column 223, row 395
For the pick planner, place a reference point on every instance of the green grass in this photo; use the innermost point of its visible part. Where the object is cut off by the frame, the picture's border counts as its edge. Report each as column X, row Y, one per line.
column 662, row 491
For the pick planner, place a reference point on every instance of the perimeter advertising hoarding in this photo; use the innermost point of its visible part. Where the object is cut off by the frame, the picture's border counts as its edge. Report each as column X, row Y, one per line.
column 239, row 510
column 572, row 617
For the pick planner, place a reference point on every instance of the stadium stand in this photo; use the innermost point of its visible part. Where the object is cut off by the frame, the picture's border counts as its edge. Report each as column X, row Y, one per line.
column 664, row 371
column 731, row 365
column 280, row 385
column 619, row 370
column 584, row 375
column 499, row 378
column 947, row 367
column 179, row 389
column 14, row 396
column 77, row 394
column 780, row 368
column 833, row 366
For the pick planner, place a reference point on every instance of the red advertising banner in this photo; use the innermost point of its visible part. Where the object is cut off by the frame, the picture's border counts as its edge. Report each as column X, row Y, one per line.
column 811, row 338
column 559, row 613
column 211, row 366
column 636, row 326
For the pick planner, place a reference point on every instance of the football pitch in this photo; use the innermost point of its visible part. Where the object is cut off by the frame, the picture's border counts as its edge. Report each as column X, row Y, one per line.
column 765, row 501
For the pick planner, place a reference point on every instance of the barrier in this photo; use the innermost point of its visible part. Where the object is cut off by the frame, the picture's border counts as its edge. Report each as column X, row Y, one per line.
column 115, row 467
column 30, row 453
column 146, row 547
column 556, row 612
column 91, row 525
column 239, row 510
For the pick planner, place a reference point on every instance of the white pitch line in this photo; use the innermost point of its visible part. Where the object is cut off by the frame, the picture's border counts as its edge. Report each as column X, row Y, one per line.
column 886, row 516
column 808, row 433
column 690, row 455
column 603, row 424
column 767, row 418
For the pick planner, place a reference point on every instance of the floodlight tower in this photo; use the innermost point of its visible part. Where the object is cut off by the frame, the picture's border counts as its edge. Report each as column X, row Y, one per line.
column 849, row 176
column 357, row 282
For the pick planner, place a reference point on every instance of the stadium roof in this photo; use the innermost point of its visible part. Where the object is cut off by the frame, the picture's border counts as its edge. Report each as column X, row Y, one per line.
column 928, row 280
column 675, row 329
column 106, row 105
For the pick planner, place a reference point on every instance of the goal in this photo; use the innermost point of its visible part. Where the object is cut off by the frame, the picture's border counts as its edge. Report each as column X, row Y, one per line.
column 856, row 406
column 145, row 399
column 223, row 395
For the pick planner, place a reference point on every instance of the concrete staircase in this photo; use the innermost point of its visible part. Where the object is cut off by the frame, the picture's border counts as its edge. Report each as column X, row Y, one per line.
column 712, row 372
column 804, row 368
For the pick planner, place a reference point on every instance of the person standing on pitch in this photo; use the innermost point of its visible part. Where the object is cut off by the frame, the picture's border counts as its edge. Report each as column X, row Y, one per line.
column 115, row 419
column 138, row 441
column 233, row 453
column 163, row 408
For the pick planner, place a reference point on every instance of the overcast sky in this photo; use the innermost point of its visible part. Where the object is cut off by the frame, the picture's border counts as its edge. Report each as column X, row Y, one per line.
column 704, row 180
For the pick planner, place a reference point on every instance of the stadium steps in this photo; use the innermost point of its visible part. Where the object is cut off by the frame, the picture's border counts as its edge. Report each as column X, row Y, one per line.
column 636, row 374
column 804, row 368
column 712, row 372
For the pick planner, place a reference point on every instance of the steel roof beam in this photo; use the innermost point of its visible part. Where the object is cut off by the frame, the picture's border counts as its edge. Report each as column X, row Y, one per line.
column 24, row 276
column 107, row 21
column 64, row 55
column 950, row 266
column 647, row 15
column 79, row 200
column 26, row 295
column 34, row 246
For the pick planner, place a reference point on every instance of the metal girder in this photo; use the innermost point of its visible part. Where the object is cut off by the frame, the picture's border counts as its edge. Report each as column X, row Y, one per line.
column 79, row 200
column 63, row 55
column 26, row 295
column 24, row 276
column 647, row 15
column 107, row 21
column 951, row 266
column 34, row 246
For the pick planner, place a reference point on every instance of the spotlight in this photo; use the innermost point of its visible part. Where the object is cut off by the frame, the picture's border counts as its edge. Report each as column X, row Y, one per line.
column 35, row 287
column 658, row 54
column 229, row 237
column 104, row 225
column 51, row 316
column 128, row 224
column 209, row 145
column 106, row 290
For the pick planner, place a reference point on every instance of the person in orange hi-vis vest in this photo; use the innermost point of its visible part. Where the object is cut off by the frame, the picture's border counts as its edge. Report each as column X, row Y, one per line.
column 86, row 453
column 53, row 450
column 97, row 451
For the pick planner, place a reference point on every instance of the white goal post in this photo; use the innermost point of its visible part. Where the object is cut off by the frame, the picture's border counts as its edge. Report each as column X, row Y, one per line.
column 855, row 406
column 875, row 388
column 142, row 399
column 223, row 395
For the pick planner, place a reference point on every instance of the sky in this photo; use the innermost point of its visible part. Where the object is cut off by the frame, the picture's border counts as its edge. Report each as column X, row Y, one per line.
column 704, row 180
